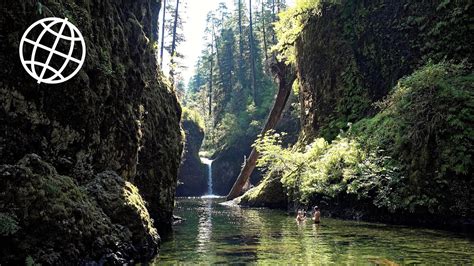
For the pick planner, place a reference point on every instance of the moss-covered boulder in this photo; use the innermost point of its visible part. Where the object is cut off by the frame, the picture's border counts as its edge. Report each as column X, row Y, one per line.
column 269, row 193
column 121, row 202
column 49, row 218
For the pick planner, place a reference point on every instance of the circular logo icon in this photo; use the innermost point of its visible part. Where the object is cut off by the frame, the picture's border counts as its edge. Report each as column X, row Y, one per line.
column 52, row 50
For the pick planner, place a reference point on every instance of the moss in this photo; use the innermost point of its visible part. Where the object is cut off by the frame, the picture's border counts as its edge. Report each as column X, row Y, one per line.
column 361, row 49
column 121, row 202
column 92, row 222
column 105, row 62
column 425, row 127
column 193, row 116
column 269, row 193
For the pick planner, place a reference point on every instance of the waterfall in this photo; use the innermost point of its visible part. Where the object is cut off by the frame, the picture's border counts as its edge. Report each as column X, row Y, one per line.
column 208, row 162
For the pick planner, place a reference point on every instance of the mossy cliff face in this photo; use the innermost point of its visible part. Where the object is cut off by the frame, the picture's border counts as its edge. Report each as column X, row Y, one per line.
column 352, row 53
column 116, row 117
column 159, row 152
column 192, row 172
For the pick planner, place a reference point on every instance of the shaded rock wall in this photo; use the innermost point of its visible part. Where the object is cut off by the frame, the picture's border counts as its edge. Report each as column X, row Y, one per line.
column 228, row 162
column 351, row 54
column 227, row 165
column 160, row 152
column 192, row 173
column 116, row 115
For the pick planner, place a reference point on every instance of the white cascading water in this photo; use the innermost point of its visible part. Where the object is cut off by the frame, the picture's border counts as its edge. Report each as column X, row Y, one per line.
column 208, row 162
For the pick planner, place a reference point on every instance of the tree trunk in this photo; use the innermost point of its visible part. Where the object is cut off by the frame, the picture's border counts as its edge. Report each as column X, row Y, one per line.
column 173, row 44
column 286, row 78
column 252, row 56
column 211, row 74
column 218, row 58
column 273, row 10
column 274, row 20
column 163, row 34
column 265, row 48
column 241, row 45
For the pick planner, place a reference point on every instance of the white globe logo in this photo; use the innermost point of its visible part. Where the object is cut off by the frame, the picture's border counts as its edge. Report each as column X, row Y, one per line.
column 45, row 62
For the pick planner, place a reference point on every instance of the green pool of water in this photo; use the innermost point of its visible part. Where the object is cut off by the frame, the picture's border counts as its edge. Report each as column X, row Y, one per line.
column 213, row 233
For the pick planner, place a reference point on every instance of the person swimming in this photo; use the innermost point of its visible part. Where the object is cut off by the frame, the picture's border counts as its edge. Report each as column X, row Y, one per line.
column 300, row 217
column 316, row 215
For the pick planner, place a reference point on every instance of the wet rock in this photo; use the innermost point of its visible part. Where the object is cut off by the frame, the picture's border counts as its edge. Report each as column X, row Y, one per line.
column 227, row 165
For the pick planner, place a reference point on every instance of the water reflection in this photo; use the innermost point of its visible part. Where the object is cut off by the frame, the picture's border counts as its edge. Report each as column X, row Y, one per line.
column 205, row 225
column 223, row 234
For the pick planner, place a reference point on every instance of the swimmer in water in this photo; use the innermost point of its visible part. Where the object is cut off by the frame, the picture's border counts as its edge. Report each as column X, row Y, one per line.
column 316, row 215
column 300, row 217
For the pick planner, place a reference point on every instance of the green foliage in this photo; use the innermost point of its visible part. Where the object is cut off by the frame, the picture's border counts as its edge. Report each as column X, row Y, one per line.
column 8, row 224
column 415, row 154
column 322, row 168
column 426, row 123
column 193, row 115
column 221, row 133
column 290, row 24
column 29, row 261
column 296, row 87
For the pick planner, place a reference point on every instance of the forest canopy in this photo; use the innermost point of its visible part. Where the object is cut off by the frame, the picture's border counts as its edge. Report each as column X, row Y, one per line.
column 232, row 88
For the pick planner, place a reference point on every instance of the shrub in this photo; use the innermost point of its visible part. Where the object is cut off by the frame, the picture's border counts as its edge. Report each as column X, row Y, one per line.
column 322, row 168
